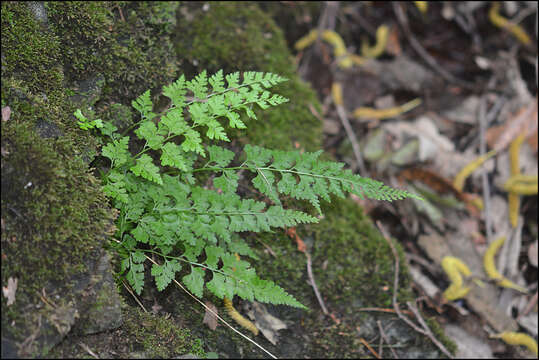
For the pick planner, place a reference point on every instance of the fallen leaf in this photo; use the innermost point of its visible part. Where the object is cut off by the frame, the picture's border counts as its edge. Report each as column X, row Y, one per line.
column 265, row 322
column 524, row 121
column 10, row 289
column 393, row 46
column 209, row 318
column 292, row 233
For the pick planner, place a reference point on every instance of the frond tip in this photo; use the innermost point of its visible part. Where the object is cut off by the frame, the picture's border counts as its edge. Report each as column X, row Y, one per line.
column 304, row 177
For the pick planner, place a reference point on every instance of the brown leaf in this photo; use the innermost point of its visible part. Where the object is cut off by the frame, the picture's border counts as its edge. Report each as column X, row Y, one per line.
column 209, row 318
column 268, row 324
column 10, row 289
column 292, row 233
column 393, row 46
column 525, row 120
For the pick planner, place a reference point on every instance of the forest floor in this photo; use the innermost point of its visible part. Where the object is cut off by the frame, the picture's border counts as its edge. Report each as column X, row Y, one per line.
column 441, row 100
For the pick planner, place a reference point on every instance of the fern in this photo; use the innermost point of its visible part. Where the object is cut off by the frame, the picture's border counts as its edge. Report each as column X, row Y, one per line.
column 165, row 213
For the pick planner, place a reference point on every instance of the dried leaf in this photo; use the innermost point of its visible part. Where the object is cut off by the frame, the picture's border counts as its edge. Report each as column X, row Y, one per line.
column 209, row 318
column 10, row 289
column 393, row 46
column 267, row 323
column 433, row 180
column 524, row 121
column 292, row 233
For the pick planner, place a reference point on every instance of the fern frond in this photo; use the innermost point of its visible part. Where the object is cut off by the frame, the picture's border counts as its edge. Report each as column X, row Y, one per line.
column 176, row 92
column 170, row 215
column 144, row 105
column 238, row 277
column 199, row 85
column 304, row 177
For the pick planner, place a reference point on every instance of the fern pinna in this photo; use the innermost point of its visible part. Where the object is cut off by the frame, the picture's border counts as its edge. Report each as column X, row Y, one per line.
column 162, row 210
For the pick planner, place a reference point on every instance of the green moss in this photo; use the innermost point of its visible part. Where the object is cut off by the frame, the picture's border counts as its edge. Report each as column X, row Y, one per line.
column 159, row 337
column 28, row 51
column 126, row 41
column 240, row 37
column 141, row 335
column 440, row 335
column 53, row 214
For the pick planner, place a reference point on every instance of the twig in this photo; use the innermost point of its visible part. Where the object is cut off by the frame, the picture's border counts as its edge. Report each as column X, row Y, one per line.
column 364, row 342
column 529, row 306
column 396, row 281
column 381, row 342
column 352, row 136
column 134, row 296
column 425, row 330
column 392, row 311
column 484, row 178
column 403, row 21
column 384, row 336
column 88, row 350
column 327, row 20
column 313, row 284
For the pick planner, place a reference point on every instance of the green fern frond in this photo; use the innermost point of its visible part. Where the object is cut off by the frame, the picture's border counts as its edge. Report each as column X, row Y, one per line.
column 144, row 105
column 176, row 219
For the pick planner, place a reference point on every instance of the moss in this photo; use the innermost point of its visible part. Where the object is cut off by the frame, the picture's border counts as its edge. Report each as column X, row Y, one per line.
column 126, row 41
column 53, row 214
column 439, row 334
column 142, row 334
column 159, row 336
column 33, row 77
column 28, row 51
column 240, row 37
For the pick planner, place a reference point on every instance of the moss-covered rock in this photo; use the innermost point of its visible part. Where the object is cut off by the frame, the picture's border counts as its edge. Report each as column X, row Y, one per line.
column 142, row 335
column 53, row 223
column 56, row 57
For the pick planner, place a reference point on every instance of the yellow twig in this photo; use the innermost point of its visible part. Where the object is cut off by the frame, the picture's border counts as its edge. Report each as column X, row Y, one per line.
column 422, row 6
column 382, row 34
column 504, row 23
column 379, row 114
column 344, row 59
column 234, row 314
column 514, row 338
column 490, row 266
column 466, row 171
column 453, row 267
